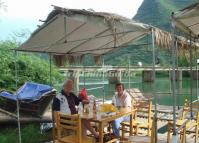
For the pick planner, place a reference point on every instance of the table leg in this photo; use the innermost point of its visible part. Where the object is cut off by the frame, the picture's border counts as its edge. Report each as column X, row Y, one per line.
column 184, row 135
column 101, row 133
column 131, row 124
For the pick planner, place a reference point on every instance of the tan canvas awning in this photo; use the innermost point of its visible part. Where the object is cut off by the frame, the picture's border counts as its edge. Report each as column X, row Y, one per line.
column 187, row 19
column 79, row 32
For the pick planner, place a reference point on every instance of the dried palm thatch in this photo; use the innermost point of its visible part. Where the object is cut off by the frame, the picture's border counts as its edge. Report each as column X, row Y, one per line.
column 107, row 16
column 81, row 57
column 97, row 59
column 71, row 59
column 59, row 60
column 162, row 38
column 62, row 60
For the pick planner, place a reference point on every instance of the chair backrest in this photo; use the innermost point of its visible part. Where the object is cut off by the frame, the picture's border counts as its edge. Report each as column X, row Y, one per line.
column 186, row 109
column 195, row 109
column 136, row 94
column 69, row 122
column 153, row 133
column 145, row 107
column 197, row 117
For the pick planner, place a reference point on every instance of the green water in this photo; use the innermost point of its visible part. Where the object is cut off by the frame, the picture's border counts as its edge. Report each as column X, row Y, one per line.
column 162, row 88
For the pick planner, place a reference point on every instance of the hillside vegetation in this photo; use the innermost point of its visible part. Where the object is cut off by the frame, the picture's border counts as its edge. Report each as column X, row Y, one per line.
column 156, row 13
column 30, row 67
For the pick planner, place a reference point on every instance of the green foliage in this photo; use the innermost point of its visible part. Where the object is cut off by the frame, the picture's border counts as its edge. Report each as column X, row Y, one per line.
column 158, row 13
column 183, row 61
column 30, row 67
column 30, row 134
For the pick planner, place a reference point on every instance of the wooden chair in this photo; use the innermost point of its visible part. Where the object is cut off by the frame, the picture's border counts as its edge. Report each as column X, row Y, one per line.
column 179, row 122
column 142, row 107
column 193, row 124
column 54, row 130
column 185, row 109
column 145, row 139
column 72, row 123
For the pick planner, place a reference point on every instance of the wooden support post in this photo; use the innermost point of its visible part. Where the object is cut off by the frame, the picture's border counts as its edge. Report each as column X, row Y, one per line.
column 195, row 74
column 147, row 76
column 114, row 76
column 178, row 75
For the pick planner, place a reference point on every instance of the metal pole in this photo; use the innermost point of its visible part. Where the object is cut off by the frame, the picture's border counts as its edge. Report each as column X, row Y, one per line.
column 50, row 72
column 191, row 71
column 177, row 71
column 129, row 70
column 197, row 62
column 173, row 49
column 84, row 75
column 16, row 85
column 50, row 62
column 154, row 88
column 103, row 79
column 197, row 80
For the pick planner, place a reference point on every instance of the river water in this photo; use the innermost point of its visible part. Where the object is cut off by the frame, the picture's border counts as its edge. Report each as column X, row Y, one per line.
column 162, row 88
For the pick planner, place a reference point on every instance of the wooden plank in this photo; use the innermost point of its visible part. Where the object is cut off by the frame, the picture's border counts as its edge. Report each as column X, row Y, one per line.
column 69, row 127
column 8, row 113
column 71, row 122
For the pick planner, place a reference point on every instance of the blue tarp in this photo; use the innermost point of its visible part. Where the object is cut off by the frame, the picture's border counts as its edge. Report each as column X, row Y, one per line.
column 29, row 92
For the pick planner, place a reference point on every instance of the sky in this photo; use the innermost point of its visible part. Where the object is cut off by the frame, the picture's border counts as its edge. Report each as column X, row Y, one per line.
column 22, row 16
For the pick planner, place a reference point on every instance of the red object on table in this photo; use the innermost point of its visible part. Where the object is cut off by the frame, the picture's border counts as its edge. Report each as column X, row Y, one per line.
column 83, row 94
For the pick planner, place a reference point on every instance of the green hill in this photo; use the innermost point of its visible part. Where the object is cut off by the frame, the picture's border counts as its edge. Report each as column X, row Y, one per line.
column 156, row 13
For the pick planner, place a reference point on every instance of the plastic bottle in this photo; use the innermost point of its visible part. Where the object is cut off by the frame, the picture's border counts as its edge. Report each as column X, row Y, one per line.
column 80, row 108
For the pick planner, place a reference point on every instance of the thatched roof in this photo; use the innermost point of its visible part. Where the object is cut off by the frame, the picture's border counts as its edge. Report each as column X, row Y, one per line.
column 164, row 40
column 79, row 32
column 74, row 33
column 187, row 19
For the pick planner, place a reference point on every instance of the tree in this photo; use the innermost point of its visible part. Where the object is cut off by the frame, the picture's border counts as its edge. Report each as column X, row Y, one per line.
column 30, row 67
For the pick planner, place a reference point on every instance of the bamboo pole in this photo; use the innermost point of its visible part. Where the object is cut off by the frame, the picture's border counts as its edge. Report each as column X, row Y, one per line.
column 129, row 64
column 173, row 49
column 154, row 88
column 103, row 79
column 16, row 85
column 191, row 71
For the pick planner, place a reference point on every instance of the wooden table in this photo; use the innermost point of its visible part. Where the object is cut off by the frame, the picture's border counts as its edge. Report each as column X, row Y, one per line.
column 103, row 120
